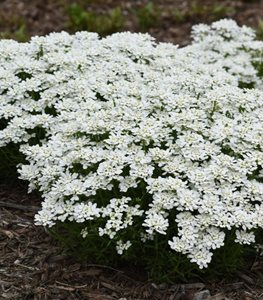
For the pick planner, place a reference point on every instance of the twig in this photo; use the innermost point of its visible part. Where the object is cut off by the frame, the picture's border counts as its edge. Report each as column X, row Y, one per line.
column 18, row 206
column 27, row 267
column 104, row 267
column 112, row 269
column 72, row 286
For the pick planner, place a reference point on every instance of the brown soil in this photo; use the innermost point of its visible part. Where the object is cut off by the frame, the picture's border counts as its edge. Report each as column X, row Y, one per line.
column 32, row 265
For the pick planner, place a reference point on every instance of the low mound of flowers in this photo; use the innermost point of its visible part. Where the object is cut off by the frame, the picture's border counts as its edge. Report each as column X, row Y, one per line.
column 138, row 141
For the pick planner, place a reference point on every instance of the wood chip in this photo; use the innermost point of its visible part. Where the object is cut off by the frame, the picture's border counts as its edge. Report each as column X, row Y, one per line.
column 110, row 286
column 203, row 295
column 8, row 204
column 246, row 278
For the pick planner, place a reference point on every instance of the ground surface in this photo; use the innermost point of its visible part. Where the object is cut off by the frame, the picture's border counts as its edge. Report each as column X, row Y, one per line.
column 32, row 265
column 167, row 20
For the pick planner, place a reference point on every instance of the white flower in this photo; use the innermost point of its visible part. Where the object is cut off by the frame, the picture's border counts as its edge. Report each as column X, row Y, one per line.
column 123, row 131
column 121, row 246
column 155, row 222
column 84, row 232
column 85, row 211
column 243, row 237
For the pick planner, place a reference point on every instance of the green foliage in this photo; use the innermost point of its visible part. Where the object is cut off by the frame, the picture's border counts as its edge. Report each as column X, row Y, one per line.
column 16, row 28
column 258, row 64
column 198, row 9
column 147, row 16
column 9, row 158
column 245, row 85
column 93, row 249
column 80, row 19
column 179, row 16
column 21, row 34
column 215, row 12
column 260, row 30
column 219, row 11
column 160, row 263
column 259, row 67
column 212, row 12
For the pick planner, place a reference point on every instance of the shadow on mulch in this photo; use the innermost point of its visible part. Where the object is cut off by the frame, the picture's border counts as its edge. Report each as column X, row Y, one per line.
column 33, row 266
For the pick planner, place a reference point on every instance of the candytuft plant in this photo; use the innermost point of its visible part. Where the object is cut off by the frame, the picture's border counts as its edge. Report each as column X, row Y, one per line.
column 147, row 149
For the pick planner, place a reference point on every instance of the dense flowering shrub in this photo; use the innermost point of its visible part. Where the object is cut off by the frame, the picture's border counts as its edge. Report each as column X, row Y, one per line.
column 122, row 133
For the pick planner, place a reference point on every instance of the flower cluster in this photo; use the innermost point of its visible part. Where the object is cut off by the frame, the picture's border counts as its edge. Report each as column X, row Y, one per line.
column 224, row 44
column 124, row 132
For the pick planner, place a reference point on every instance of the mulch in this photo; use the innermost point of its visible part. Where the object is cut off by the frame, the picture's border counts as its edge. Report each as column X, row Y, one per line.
column 32, row 264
